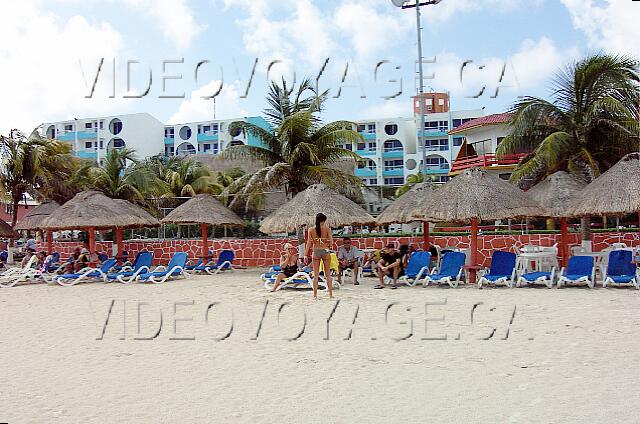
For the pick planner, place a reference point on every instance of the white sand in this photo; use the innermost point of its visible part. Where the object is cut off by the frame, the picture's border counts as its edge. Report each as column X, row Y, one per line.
column 572, row 355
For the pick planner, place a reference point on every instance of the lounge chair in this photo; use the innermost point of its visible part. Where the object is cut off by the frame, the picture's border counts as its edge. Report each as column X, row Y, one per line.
column 621, row 269
column 224, row 263
column 538, row 277
column 301, row 279
column 580, row 269
column 174, row 269
column 501, row 271
column 16, row 270
column 142, row 264
column 88, row 273
column 19, row 275
column 417, row 267
column 450, row 272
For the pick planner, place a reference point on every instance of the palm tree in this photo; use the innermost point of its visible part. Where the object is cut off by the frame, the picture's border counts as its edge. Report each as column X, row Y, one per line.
column 298, row 152
column 412, row 180
column 590, row 122
column 36, row 166
column 187, row 177
column 118, row 180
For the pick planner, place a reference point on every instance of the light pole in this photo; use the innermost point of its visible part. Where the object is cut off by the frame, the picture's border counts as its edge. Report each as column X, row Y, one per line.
column 404, row 4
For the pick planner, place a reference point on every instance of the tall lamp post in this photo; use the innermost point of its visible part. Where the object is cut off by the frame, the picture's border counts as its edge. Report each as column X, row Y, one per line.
column 404, row 4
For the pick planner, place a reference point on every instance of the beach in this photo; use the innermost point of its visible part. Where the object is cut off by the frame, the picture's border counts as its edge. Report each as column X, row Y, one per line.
column 531, row 355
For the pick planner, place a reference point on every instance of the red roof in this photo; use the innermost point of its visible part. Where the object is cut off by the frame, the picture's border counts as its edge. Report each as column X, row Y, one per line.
column 498, row 118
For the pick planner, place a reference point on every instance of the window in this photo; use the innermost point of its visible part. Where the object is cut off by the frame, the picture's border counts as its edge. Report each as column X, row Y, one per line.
column 88, row 125
column 440, row 178
column 457, row 141
column 393, row 165
column 457, row 123
column 102, row 143
column 168, row 150
column 206, row 147
column 215, row 148
column 392, row 146
column 371, row 181
column 185, row 133
column 436, row 163
column 206, row 129
column 117, row 143
column 115, row 126
column 361, row 128
column 440, row 102
column 101, row 124
column 68, row 127
column 362, row 146
column 394, row 181
column 214, row 129
column 371, row 146
column 428, row 102
column 367, row 164
column 348, row 146
column 88, row 144
column 391, row 129
column 169, row 132
column 437, row 145
column 371, row 128
column 234, row 132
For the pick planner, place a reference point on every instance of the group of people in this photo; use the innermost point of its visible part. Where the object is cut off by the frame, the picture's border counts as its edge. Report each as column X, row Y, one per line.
column 390, row 261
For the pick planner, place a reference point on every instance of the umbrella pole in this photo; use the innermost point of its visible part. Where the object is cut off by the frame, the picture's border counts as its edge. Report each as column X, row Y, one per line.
column 49, row 242
column 120, row 257
column 564, row 241
column 474, row 250
column 425, row 231
column 92, row 243
column 205, row 250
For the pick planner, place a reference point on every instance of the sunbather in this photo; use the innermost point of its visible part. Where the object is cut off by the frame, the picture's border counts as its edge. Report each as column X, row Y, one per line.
column 288, row 263
column 319, row 241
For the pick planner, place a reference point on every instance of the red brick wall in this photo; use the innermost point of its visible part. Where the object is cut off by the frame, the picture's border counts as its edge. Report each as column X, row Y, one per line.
column 265, row 252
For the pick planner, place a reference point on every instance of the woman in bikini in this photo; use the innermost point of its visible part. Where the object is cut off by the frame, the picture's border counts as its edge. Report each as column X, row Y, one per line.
column 319, row 240
column 288, row 263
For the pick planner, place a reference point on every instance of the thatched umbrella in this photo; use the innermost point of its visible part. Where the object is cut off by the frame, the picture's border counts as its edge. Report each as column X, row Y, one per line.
column 303, row 208
column 203, row 209
column 400, row 210
column 616, row 192
column 555, row 193
column 6, row 231
column 34, row 219
column 92, row 210
column 476, row 195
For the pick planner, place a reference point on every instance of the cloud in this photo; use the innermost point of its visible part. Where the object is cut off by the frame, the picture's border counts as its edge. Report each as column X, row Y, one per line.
column 386, row 109
column 41, row 76
column 527, row 69
column 173, row 17
column 610, row 25
column 196, row 108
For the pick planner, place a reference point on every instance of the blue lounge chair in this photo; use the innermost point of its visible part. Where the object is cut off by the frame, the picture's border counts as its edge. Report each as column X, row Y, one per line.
column 273, row 272
column 417, row 267
column 538, row 277
column 450, row 272
column 501, row 271
column 620, row 269
column 580, row 269
column 142, row 264
column 174, row 269
column 224, row 263
column 193, row 266
column 301, row 279
column 84, row 274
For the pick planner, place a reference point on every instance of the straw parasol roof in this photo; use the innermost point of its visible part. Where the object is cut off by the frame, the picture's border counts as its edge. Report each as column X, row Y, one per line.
column 34, row 219
column 616, row 192
column 203, row 209
column 477, row 194
column 400, row 210
column 318, row 198
column 94, row 209
column 6, row 231
column 556, row 192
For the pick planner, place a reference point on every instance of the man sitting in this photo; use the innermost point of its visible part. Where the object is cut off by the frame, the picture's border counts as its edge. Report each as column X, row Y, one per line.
column 348, row 258
column 390, row 265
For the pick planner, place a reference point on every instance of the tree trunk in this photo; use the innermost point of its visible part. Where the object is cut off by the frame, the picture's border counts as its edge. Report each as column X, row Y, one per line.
column 14, row 212
column 585, row 228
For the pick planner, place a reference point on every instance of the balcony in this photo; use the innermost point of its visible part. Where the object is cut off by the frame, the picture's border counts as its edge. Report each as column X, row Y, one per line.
column 87, row 154
column 487, row 161
column 169, row 140
column 66, row 136
column 89, row 134
column 367, row 135
column 393, row 153
column 208, row 136
column 365, row 152
column 365, row 172
column 440, row 169
column 393, row 172
column 434, row 132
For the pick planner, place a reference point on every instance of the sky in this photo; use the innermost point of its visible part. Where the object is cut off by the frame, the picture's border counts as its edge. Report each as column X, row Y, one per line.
column 363, row 51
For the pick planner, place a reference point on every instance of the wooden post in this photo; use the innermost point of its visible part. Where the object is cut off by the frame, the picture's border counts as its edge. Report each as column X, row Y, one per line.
column 564, row 241
column 92, row 244
column 205, row 248
column 119, row 244
column 474, row 250
column 49, row 242
column 425, row 230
